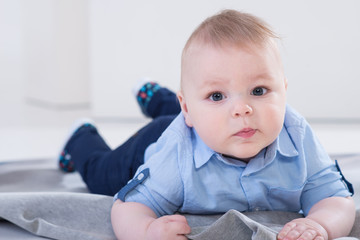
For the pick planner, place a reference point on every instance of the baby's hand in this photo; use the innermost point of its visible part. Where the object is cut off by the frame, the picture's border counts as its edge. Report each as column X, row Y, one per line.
column 168, row 228
column 304, row 229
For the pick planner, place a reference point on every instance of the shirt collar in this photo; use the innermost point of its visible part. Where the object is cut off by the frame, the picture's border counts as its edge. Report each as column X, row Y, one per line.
column 285, row 145
column 282, row 145
column 202, row 153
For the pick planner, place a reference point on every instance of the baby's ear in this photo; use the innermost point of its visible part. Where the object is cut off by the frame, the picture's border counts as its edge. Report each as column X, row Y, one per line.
column 286, row 83
column 184, row 108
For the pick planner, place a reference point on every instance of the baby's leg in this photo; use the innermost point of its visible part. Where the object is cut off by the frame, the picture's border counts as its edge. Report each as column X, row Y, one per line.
column 106, row 171
column 156, row 101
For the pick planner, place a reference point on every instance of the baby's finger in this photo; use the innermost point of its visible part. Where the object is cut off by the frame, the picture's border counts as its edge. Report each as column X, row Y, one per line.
column 178, row 224
column 296, row 232
column 179, row 227
column 286, row 229
column 176, row 218
column 309, row 234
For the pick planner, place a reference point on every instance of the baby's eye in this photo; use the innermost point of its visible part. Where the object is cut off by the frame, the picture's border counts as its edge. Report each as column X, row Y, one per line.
column 216, row 96
column 259, row 91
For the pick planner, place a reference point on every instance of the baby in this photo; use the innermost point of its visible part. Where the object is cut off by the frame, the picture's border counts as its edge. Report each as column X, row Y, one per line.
column 236, row 145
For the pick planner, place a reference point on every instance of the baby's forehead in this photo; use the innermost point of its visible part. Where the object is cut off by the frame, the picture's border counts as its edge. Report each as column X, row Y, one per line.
column 252, row 47
column 269, row 48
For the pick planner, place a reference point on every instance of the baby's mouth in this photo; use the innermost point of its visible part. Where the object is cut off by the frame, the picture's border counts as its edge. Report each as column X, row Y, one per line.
column 246, row 132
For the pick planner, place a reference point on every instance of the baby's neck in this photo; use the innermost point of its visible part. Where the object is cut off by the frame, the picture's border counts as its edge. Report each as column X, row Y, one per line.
column 245, row 160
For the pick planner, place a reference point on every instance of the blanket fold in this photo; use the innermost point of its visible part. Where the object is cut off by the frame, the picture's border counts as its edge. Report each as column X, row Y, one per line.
column 239, row 224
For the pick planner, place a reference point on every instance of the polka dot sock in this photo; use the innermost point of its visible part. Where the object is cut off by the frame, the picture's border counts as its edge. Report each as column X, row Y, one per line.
column 144, row 95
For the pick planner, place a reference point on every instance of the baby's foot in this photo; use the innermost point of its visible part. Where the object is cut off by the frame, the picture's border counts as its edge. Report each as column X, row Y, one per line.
column 65, row 162
column 143, row 92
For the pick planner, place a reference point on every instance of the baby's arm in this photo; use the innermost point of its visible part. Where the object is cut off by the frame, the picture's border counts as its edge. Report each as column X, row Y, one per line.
column 133, row 221
column 328, row 219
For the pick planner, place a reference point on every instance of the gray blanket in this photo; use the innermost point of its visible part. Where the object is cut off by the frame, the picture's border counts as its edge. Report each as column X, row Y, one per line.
column 37, row 200
column 87, row 216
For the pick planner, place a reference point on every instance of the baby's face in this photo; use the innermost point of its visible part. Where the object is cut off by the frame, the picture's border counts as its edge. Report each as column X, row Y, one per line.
column 234, row 97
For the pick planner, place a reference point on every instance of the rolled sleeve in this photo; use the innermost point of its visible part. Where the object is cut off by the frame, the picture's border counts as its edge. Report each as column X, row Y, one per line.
column 324, row 184
column 162, row 191
column 324, row 180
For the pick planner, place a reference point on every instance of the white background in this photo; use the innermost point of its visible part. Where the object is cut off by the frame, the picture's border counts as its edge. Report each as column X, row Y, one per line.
column 88, row 54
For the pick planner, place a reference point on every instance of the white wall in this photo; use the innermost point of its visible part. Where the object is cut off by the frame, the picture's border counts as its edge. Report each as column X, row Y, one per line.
column 321, row 53
column 132, row 39
column 43, row 55
column 57, row 51
column 11, row 74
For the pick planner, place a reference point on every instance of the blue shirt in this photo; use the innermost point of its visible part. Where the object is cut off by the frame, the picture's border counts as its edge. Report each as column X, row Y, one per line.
column 185, row 175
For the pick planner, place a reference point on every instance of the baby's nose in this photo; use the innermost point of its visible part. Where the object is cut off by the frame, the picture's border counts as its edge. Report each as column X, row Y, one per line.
column 242, row 109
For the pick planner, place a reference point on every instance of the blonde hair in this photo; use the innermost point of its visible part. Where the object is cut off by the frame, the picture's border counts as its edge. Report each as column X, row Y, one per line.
column 232, row 27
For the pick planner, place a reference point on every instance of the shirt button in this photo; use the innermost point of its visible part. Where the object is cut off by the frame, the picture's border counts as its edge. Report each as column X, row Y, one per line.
column 140, row 176
column 257, row 209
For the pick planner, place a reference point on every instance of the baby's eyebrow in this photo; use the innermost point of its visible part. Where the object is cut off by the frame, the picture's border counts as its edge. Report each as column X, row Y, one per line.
column 213, row 82
column 262, row 77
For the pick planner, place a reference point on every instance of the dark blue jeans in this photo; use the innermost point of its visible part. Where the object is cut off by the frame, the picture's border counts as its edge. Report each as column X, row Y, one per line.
column 106, row 171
